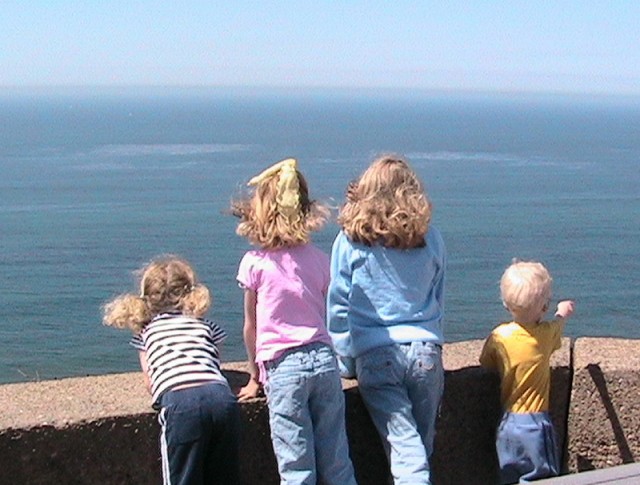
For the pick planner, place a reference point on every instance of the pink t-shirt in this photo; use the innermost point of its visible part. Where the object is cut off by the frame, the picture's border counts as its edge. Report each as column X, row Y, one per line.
column 291, row 286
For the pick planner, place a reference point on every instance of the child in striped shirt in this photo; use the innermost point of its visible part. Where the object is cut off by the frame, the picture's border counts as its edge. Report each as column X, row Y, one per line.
column 180, row 361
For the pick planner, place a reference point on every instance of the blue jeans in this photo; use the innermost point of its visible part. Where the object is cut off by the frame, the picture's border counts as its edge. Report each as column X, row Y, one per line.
column 526, row 446
column 401, row 386
column 199, row 437
column 307, row 417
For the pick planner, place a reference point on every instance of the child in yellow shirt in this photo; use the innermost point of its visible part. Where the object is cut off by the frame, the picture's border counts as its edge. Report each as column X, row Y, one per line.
column 520, row 351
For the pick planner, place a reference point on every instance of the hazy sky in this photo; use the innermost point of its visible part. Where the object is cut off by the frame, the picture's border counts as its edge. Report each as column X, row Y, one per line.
column 550, row 46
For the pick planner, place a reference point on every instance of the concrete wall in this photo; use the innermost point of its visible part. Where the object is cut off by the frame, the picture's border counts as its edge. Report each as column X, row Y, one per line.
column 101, row 430
column 604, row 415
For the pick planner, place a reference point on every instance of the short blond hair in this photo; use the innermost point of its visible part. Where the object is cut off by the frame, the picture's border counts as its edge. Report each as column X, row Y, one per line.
column 525, row 288
column 264, row 225
column 167, row 284
column 387, row 205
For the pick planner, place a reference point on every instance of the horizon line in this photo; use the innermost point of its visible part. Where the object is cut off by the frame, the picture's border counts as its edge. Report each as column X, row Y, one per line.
column 301, row 89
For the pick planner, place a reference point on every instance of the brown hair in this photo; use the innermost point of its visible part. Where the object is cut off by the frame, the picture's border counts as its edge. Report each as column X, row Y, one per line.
column 387, row 206
column 263, row 223
column 166, row 284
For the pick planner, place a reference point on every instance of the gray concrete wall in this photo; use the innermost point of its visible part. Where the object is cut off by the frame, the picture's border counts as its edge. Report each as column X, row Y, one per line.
column 101, row 430
column 604, row 416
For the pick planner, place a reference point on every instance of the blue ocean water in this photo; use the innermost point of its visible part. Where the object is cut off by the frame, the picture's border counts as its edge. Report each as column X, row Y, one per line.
column 95, row 183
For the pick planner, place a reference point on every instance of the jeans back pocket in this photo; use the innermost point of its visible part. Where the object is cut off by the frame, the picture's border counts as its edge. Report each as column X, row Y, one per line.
column 380, row 367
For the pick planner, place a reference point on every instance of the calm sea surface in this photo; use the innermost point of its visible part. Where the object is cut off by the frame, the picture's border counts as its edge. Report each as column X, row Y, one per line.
column 94, row 184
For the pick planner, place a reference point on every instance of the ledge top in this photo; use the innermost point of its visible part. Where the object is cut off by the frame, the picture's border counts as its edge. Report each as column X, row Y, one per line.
column 608, row 353
column 74, row 400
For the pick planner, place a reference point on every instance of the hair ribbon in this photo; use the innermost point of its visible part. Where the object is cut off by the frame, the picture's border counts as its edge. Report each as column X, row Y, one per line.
column 288, row 187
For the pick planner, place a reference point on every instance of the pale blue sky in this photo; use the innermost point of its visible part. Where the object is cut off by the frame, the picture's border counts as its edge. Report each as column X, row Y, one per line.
column 513, row 46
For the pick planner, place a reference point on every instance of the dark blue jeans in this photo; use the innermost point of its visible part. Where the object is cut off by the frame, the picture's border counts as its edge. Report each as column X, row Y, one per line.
column 199, row 438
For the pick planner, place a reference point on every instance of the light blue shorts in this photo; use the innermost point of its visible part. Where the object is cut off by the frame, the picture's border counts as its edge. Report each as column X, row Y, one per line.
column 526, row 446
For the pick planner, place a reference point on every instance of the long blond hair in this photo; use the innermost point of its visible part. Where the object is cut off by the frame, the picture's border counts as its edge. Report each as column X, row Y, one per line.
column 278, row 211
column 167, row 284
column 387, row 205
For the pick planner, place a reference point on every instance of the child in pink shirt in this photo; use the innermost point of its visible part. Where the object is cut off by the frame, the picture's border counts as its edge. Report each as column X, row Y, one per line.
column 285, row 285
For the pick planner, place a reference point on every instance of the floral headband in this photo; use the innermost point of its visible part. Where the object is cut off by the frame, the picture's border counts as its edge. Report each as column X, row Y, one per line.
column 288, row 187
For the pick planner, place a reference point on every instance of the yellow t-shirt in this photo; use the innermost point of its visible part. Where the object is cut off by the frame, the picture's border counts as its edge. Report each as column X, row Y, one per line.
column 521, row 353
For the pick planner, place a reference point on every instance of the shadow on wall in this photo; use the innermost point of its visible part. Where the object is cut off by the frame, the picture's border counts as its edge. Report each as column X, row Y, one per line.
column 624, row 450
column 124, row 450
column 465, row 434
column 464, row 447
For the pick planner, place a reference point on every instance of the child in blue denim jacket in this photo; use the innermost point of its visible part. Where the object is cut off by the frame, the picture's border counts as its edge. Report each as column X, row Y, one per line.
column 285, row 284
column 385, row 310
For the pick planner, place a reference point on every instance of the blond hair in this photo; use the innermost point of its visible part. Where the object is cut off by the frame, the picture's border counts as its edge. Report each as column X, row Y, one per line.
column 387, row 206
column 167, row 284
column 263, row 221
column 525, row 288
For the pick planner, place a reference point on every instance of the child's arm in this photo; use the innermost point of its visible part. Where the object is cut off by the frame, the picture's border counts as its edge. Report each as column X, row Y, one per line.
column 563, row 312
column 142, row 355
column 565, row 309
column 439, row 278
column 338, row 305
column 249, row 333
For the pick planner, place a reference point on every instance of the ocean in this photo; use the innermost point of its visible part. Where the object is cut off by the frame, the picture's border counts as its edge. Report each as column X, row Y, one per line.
column 94, row 183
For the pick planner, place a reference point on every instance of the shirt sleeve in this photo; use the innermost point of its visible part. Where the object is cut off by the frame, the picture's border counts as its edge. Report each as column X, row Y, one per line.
column 326, row 273
column 338, row 295
column 136, row 342
column 246, row 277
column 218, row 335
column 557, row 329
column 439, row 279
column 488, row 354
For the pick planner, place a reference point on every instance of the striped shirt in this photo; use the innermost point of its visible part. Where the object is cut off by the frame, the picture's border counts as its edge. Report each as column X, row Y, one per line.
column 180, row 351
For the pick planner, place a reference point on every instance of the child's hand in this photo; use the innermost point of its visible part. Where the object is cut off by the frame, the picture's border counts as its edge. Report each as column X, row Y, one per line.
column 565, row 309
column 249, row 391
